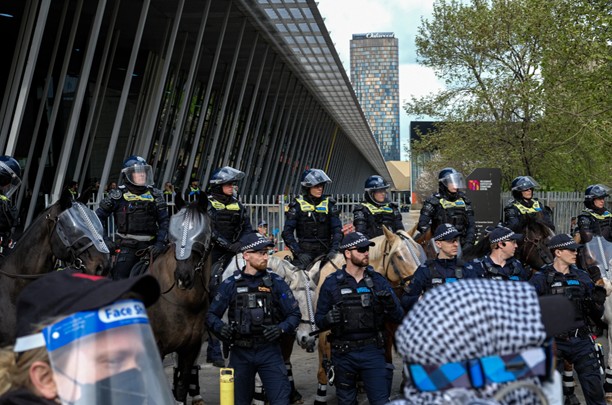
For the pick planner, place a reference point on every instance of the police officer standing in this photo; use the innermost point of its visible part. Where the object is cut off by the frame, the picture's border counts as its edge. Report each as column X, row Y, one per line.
column 230, row 222
column 261, row 308
column 314, row 219
column 354, row 302
column 500, row 263
column 10, row 172
column 445, row 268
column 193, row 191
column 141, row 216
column 575, row 345
column 449, row 205
column 595, row 219
column 370, row 215
column 524, row 205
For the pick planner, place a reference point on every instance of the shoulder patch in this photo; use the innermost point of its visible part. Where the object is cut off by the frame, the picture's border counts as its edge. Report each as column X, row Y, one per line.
column 115, row 194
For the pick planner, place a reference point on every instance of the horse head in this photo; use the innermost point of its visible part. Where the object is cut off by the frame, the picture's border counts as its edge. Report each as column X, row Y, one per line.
column 404, row 257
column 76, row 236
column 533, row 250
column 190, row 232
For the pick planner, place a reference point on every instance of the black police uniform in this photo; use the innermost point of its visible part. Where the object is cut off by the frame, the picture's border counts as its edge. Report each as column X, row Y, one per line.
column 593, row 222
column 434, row 273
column 576, row 345
column 357, row 343
column 369, row 218
column 316, row 225
column 8, row 220
column 446, row 208
column 141, row 220
column 516, row 212
column 511, row 270
column 254, row 302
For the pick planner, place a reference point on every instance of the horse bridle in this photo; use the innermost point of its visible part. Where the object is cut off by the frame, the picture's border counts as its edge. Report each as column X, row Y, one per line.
column 536, row 245
column 197, row 270
column 402, row 280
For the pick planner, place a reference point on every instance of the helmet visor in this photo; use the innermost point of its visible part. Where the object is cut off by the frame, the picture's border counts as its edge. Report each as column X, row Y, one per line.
column 455, row 180
column 525, row 183
column 315, row 177
column 107, row 356
column 139, row 175
column 9, row 187
column 598, row 191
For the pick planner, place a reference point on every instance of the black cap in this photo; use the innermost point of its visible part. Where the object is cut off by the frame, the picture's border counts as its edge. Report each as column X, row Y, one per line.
column 501, row 233
column 262, row 223
column 254, row 242
column 563, row 241
column 445, row 232
column 69, row 291
column 355, row 240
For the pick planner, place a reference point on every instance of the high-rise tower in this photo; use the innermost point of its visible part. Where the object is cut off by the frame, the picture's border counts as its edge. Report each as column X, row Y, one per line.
column 375, row 78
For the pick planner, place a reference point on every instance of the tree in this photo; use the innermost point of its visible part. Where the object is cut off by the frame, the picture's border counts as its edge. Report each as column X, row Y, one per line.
column 527, row 88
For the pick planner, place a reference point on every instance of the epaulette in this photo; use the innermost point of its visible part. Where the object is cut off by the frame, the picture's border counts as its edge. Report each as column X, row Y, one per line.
column 116, row 193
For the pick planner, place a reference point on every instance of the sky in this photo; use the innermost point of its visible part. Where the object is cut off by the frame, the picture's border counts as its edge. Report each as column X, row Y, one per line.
column 343, row 18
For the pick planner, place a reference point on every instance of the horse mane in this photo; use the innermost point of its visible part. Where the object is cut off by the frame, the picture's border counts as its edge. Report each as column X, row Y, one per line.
column 537, row 226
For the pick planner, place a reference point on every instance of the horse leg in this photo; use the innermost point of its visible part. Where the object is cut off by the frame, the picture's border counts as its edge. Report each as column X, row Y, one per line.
column 324, row 354
column 286, row 343
column 187, row 377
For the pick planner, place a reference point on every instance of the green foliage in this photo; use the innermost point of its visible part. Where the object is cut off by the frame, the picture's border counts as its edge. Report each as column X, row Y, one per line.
column 528, row 88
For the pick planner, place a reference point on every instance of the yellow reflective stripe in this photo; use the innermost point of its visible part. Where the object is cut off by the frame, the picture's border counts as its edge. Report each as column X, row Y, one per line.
column 377, row 210
column 3, row 197
column 526, row 210
column 220, row 206
column 452, row 204
column 135, row 197
column 605, row 215
column 305, row 206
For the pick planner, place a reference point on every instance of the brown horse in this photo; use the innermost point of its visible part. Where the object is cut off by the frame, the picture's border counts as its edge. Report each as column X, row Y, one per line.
column 396, row 256
column 66, row 231
column 532, row 251
column 183, row 272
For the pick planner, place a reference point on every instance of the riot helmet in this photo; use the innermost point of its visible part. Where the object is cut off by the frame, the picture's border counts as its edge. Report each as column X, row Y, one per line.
column 523, row 183
column 136, row 172
column 595, row 191
column 10, row 175
column 224, row 175
column 314, row 177
column 449, row 177
column 375, row 183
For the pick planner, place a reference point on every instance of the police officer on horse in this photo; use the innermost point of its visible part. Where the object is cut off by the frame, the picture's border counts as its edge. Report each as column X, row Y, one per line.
column 141, row 216
column 595, row 219
column 370, row 215
column 354, row 302
column 260, row 308
column 314, row 219
column 525, row 205
column 449, row 205
column 10, row 172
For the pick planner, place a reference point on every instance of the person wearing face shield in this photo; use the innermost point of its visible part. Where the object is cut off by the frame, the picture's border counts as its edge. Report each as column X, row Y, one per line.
column 449, row 205
column 84, row 339
column 376, row 210
column 141, row 216
column 312, row 226
column 10, row 172
column 472, row 343
column 525, row 205
column 230, row 222
column 596, row 218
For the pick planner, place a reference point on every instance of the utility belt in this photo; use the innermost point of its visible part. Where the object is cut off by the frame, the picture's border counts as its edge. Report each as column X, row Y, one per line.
column 132, row 243
column 344, row 346
column 313, row 245
column 251, row 342
column 581, row 332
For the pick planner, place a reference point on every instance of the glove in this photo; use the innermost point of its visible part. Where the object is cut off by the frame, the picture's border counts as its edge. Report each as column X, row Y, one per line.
column 272, row 332
column 303, row 260
column 157, row 248
column 226, row 333
column 467, row 247
column 594, row 273
column 598, row 295
column 235, row 247
column 331, row 255
column 386, row 299
column 333, row 317
column 111, row 245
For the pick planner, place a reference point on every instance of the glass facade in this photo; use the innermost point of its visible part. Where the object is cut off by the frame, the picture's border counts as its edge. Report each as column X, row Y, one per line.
column 375, row 78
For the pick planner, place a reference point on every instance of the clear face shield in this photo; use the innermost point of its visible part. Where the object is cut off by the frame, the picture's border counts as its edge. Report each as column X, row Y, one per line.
column 141, row 176
column 454, row 182
column 9, row 188
column 525, row 183
column 107, row 357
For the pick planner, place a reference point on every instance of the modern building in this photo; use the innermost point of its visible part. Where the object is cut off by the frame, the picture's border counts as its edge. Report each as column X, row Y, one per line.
column 375, row 78
column 191, row 85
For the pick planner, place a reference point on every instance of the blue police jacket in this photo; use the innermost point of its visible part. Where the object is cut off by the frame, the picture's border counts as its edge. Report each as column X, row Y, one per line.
column 281, row 293
column 511, row 270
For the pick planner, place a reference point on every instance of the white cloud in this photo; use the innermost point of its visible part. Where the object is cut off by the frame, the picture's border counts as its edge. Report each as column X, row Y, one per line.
column 343, row 18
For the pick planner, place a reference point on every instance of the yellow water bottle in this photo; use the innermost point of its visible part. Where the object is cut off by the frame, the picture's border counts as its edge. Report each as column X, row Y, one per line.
column 226, row 386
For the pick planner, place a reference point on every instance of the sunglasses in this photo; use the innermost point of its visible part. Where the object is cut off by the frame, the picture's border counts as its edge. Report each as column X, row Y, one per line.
column 362, row 249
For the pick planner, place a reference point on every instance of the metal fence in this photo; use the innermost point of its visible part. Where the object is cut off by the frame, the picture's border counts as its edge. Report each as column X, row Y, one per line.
column 271, row 209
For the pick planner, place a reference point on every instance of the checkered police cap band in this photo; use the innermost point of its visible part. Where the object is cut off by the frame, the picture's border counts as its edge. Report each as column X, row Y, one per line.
column 257, row 245
column 561, row 245
column 360, row 240
column 445, row 233
column 503, row 237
